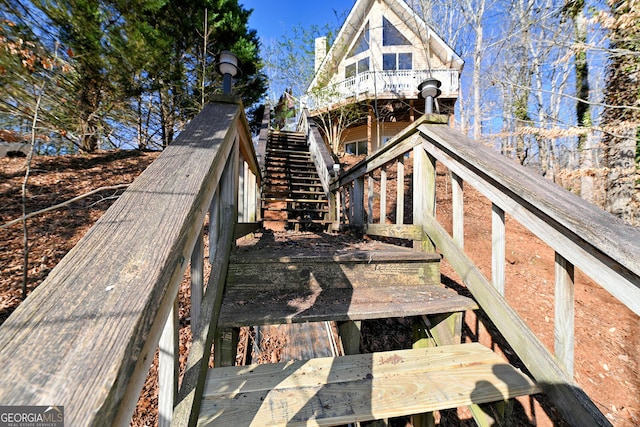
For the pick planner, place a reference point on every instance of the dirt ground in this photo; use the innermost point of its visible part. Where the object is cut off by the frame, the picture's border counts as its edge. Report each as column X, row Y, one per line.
column 607, row 351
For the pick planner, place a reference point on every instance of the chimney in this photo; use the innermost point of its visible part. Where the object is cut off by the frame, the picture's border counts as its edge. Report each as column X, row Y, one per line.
column 321, row 51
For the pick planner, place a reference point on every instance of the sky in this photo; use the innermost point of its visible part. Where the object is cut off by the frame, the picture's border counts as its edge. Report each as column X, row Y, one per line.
column 273, row 19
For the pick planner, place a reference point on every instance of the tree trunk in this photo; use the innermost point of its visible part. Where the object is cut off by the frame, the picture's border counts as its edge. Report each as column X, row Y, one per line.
column 620, row 154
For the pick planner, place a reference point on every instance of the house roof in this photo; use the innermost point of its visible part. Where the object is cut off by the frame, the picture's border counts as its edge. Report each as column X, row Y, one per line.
column 356, row 19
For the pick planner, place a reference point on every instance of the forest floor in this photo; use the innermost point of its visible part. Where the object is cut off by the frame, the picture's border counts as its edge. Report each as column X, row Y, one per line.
column 607, row 354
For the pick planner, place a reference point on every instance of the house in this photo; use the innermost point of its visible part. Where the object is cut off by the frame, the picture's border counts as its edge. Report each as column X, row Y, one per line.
column 383, row 51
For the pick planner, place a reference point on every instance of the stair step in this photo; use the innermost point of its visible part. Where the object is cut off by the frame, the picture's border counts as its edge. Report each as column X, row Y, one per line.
column 247, row 305
column 339, row 390
column 304, row 210
column 287, row 152
column 290, row 192
column 293, row 200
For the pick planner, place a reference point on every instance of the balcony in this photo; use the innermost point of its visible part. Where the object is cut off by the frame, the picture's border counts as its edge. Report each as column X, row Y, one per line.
column 382, row 85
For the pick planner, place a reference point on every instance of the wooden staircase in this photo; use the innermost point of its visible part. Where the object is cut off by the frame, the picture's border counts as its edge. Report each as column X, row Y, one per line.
column 292, row 195
column 304, row 282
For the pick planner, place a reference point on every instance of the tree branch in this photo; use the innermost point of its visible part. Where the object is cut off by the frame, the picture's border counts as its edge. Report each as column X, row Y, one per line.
column 63, row 204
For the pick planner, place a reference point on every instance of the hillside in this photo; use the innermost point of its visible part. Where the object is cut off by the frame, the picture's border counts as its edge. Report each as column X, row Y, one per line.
column 607, row 334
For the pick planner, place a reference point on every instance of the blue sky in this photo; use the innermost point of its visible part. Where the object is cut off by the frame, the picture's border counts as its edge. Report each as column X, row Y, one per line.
column 275, row 18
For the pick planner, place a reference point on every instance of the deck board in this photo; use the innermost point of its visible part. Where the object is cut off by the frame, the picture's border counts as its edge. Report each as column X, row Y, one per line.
column 330, row 391
column 261, row 307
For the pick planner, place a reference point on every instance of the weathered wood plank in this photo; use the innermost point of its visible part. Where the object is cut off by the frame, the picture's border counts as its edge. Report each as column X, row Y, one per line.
column 457, row 197
column 331, row 391
column 168, row 355
column 593, row 240
column 498, row 248
column 564, row 329
column 400, row 191
column 561, row 388
column 357, row 202
column 340, row 270
column 93, row 316
column 408, row 231
column 383, row 195
column 252, row 306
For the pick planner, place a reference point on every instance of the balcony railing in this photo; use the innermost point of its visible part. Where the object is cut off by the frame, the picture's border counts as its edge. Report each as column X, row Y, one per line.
column 382, row 84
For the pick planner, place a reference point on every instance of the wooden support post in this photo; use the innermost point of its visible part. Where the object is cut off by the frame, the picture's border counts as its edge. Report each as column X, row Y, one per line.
column 251, row 195
column 498, row 246
column 370, row 197
column 369, row 130
column 350, row 333
column 225, row 347
column 357, row 202
column 424, row 192
column 168, row 364
column 242, row 191
column 564, row 313
column 400, row 191
column 457, row 195
column 383, row 195
column 197, row 279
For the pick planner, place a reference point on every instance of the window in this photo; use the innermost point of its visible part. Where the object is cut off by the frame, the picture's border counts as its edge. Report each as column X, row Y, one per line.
column 362, row 43
column 356, row 148
column 355, row 68
column 397, row 61
column 405, row 61
column 363, row 65
column 350, row 70
column 391, row 36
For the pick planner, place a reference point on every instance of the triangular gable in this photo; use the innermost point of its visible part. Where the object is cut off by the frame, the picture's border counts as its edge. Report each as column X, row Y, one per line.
column 398, row 19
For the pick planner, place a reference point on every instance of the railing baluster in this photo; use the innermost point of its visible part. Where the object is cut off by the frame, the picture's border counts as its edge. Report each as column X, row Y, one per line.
column 242, row 191
column 498, row 246
column 197, row 278
column 357, row 202
column 457, row 196
column 214, row 225
column 370, row 197
column 383, row 195
column 564, row 313
column 168, row 367
column 400, row 191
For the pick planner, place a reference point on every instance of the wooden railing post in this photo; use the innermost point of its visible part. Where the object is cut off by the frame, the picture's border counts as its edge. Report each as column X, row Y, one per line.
column 457, row 198
column 370, row 199
column 424, row 192
column 357, row 202
column 400, row 192
column 564, row 313
column 498, row 246
column 383, row 195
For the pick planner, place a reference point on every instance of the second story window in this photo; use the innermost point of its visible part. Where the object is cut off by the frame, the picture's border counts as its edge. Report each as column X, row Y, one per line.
column 357, row 67
column 391, row 36
column 397, row 61
column 362, row 43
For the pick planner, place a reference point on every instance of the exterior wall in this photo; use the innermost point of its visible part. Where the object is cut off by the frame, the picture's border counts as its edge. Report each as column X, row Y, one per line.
column 387, row 130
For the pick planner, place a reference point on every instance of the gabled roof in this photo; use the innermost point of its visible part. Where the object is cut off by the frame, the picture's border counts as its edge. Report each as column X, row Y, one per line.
column 356, row 19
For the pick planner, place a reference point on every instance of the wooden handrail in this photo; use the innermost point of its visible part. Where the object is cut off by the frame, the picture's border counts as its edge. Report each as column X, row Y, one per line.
column 581, row 234
column 319, row 152
column 85, row 338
